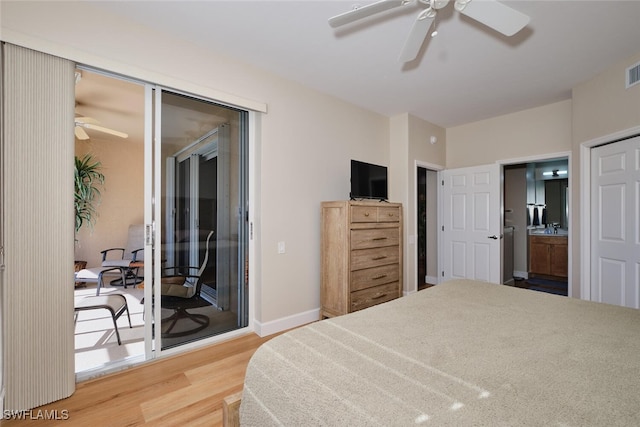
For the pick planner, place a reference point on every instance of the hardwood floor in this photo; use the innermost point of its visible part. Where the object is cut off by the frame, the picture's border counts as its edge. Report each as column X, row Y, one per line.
column 179, row 390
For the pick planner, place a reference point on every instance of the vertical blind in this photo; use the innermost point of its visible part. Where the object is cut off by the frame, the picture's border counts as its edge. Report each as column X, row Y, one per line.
column 37, row 232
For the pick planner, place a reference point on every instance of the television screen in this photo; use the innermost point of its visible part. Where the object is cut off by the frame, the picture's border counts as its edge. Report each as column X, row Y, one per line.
column 368, row 181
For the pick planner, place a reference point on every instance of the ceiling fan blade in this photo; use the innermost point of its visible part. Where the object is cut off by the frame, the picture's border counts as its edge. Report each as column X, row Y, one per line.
column 417, row 35
column 105, row 130
column 493, row 14
column 83, row 119
column 363, row 12
column 80, row 133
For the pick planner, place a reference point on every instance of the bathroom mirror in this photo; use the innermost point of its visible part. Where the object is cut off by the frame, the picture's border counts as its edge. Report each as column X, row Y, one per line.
column 555, row 191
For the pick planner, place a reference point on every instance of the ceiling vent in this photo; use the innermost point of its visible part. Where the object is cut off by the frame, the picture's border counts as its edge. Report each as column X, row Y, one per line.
column 633, row 75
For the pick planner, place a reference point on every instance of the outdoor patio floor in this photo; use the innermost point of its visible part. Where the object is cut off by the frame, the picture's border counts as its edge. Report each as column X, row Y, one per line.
column 96, row 344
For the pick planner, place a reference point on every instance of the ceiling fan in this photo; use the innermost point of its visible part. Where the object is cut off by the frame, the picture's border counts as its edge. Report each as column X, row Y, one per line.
column 491, row 13
column 82, row 123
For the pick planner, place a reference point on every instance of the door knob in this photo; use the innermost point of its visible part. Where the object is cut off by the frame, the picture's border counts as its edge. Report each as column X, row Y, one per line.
column 494, row 237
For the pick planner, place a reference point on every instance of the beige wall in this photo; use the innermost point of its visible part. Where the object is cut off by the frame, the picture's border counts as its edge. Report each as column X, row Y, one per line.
column 121, row 202
column 532, row 132
column 304, row 142
column 409, row 146
column 602, row 105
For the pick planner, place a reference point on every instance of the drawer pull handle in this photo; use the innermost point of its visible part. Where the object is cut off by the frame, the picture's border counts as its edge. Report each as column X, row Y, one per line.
column 379, row 296
column 378, row 258
column 382, row 276
column 380, row 238
column 390, row 213
column 366, row 214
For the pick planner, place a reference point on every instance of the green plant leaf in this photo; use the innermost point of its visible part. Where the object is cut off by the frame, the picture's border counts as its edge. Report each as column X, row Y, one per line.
column 87, row 181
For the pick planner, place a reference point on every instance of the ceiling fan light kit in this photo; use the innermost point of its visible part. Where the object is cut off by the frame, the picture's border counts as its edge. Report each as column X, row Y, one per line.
column 491, row 13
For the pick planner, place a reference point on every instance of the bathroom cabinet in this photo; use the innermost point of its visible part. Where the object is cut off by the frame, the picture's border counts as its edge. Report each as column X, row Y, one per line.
column 548, row 255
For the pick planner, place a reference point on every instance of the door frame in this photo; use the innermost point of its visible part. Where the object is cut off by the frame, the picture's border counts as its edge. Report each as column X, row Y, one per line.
column 585, row 205
column 543, row 158
column 438, row 169
column 154, row 218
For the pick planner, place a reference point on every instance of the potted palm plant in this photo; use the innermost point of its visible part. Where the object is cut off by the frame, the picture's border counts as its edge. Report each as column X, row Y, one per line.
column 88, row 180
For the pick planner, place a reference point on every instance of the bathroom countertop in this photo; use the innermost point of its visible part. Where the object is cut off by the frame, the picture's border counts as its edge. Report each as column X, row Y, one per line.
column 562, row 232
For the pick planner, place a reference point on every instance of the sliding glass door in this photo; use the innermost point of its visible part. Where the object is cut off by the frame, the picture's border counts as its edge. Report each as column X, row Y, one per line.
column 198, row 207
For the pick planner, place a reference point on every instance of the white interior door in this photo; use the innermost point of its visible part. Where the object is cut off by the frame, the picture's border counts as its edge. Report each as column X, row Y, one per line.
column 472, row 223
column 615, row 223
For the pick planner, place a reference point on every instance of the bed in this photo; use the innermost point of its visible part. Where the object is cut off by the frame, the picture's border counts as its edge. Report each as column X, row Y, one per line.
column 460, row 353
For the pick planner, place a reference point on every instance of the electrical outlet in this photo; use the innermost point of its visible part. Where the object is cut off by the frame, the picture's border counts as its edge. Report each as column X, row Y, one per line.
column 281, row 248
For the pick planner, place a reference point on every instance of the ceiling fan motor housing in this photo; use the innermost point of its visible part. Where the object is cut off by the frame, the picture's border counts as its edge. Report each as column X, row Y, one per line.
column 439, row 4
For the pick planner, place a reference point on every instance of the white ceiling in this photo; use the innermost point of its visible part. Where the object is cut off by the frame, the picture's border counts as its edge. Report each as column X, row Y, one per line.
column 467, row 73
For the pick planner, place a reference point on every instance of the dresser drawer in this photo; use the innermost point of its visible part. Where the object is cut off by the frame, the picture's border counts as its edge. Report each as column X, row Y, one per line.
column 367, row 258
column 389, row 214
column 372, row 296
column 361, row 279
column 375, row 213
column 375, row 238
column 364, row 213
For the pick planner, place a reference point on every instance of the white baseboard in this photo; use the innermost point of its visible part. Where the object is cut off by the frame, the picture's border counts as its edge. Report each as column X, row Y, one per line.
column 523, row 274
column 293, row 321
column 432, row 280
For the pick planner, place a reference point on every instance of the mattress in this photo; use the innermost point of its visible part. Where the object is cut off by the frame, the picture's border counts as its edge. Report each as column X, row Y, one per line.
column 460, row 353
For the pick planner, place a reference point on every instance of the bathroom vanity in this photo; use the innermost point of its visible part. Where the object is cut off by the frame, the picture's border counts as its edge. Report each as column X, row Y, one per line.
column 548, row 254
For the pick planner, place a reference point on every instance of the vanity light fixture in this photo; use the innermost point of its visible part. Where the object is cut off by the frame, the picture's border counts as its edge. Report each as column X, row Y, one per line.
column 555, row 172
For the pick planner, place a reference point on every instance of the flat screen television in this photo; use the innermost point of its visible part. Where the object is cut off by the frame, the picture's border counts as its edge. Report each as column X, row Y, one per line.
column 368, row 181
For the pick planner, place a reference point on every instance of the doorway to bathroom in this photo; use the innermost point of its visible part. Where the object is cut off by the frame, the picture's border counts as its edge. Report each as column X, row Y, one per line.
column 536, row 214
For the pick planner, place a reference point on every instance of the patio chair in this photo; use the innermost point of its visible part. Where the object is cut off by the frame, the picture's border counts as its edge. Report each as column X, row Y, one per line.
column 116, row 304
column 180, row 291
column 130, row 258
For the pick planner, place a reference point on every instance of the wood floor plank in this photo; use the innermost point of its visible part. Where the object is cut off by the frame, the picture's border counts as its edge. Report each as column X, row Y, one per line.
column 212, row 369
column 185, row 389
column 196, row 392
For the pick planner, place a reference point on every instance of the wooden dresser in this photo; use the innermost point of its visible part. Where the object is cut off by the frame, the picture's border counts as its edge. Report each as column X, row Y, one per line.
column 361, row 255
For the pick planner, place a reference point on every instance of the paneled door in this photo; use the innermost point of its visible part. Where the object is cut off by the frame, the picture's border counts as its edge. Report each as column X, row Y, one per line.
column 615, row 224
column 472, row 225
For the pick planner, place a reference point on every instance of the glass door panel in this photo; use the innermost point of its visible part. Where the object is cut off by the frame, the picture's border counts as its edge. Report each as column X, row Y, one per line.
column 201, row 220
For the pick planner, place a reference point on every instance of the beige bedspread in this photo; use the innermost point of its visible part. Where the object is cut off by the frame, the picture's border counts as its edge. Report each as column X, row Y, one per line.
column 461, row 353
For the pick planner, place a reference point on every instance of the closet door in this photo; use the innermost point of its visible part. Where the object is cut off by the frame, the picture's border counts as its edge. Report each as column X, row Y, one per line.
column 615, row 224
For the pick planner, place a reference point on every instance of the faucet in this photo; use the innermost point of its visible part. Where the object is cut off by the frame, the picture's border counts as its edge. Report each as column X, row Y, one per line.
column 555, row 227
